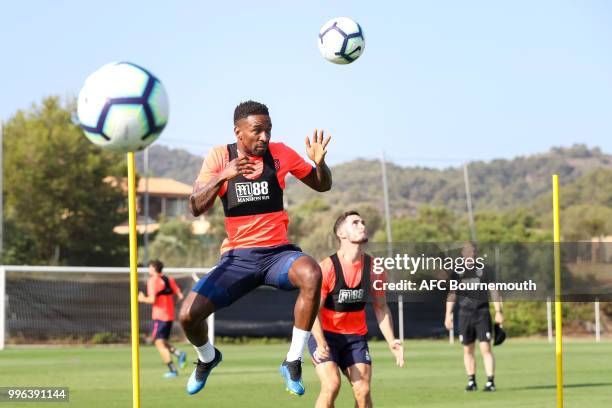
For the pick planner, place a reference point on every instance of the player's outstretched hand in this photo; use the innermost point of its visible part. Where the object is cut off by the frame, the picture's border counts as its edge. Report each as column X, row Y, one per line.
column 317, row 148
column 397, row 348
column 141, row 296
column 240, row 165
column 321, row 352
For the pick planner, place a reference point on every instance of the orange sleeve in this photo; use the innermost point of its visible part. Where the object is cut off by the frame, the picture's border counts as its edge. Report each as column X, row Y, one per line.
column 297, row 166
column 214, row 163
column 329, row 277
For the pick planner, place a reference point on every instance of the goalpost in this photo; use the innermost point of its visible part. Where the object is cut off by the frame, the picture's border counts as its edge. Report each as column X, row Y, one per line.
column 40, row 304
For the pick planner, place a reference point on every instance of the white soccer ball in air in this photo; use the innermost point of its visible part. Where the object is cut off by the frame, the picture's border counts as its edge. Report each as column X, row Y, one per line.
column 341, row 40
column 123, row 107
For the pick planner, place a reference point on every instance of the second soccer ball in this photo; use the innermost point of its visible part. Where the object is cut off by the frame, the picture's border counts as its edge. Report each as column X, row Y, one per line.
column 341, row 40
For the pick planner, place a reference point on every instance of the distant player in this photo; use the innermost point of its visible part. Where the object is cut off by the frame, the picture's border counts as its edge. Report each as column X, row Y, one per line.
column 249, row 177
column 474, row 320
column 339, row 334
column 161, row 290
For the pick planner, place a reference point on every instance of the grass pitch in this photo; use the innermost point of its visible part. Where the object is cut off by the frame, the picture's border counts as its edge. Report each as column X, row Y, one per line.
column 248, row 377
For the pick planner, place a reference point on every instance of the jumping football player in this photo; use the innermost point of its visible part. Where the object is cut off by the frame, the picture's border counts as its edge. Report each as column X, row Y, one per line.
column 249, row 177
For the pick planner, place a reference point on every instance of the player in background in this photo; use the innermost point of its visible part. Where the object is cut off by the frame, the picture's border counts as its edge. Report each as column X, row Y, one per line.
column 474, row 320
column 338, row 341
column 161, row 290
column 249, row 178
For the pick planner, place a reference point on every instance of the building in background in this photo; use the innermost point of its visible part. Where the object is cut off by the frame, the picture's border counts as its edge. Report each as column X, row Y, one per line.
column 168, row 198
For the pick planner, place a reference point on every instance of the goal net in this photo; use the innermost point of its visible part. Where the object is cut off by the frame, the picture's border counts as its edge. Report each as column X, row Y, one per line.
column 44, row 304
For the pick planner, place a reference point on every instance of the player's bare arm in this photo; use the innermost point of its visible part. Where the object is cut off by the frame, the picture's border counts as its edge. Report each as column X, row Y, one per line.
column 320, row 179
column 497, row 305
column 142, row 298
column 385, row 324
column 448, row 318
column 322, row 351
column 450, row 305
column 204, row 194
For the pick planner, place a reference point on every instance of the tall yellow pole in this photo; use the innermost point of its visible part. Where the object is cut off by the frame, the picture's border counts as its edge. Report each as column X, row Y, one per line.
column 558, row 313
column 133, row 280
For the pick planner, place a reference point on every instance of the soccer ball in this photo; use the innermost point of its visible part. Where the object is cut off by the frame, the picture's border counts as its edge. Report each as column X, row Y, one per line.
column 341, row 40
column 123, row 107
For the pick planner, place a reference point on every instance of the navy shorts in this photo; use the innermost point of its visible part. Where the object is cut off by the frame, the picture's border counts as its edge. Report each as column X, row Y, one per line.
column 344, row 349
column 241, row 270
column 161, row 330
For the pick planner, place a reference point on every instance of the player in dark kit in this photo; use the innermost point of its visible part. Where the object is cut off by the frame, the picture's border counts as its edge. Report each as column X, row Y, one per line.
column 474, row 320
column 249, row 177
column 339, row 334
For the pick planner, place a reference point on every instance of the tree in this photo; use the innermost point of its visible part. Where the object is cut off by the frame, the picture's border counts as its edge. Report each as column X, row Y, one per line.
column 58, row 206
column 176, row 245
column 586, row 221
column 311, row 225
column 432, row 224
column 517, row 225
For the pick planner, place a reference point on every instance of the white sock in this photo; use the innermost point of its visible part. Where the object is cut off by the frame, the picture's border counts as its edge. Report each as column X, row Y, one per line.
column 206, row 352
column 298, row 341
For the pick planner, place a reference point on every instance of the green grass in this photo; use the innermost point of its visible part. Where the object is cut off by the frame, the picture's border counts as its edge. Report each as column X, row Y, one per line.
column 248, row 377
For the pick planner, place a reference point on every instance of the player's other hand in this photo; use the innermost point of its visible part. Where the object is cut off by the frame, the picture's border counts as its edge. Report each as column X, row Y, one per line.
column 321, row 352
column 317, row 148
column 397, row 348
column 240, row 165
column 499, row 318
column 448, row 322
column 141, row 297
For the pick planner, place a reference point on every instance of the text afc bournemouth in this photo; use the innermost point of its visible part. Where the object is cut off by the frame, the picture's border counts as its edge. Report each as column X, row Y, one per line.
column 453, row 285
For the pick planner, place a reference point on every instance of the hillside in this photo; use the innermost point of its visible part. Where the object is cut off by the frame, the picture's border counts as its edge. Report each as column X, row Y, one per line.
column 495, row 185
column 178, row 164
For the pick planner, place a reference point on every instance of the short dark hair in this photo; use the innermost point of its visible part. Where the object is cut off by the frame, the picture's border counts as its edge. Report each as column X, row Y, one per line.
column 340, row 220
column 247, row 108
column 157, row 265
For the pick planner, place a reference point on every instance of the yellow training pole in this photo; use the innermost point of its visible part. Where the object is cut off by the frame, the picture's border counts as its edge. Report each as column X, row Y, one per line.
column 558, row 314
column 133, row 280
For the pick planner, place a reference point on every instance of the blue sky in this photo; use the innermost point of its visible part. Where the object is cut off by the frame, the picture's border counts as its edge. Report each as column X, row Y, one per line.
column 440, row 81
